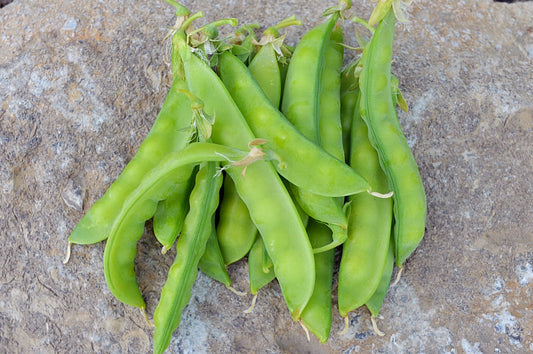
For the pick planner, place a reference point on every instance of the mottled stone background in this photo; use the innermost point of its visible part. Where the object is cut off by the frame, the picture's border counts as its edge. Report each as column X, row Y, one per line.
column 81, row 83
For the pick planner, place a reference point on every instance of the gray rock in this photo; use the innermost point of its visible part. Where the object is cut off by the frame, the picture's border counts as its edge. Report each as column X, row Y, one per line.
column 80, row 85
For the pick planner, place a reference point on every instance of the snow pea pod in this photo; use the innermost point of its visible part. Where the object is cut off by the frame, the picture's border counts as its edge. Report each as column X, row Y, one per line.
column 127, row 228
column 379, row 113
column 317, row 314
column 304, row 79
column 190, row 247
column 374, row 303
column 170, row 214
column 257, row 274
column 168, row 133
column 369, row 226
column 330, row 128
column 290, row 150
column 262, row 190
column 266, row 66
column 212, row 263
column 311, row 104
column 348, row 97
column 235, row 230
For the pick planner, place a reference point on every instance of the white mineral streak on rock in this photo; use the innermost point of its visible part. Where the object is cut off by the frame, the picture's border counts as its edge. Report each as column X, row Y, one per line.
column 70, row 24
column 525, row 273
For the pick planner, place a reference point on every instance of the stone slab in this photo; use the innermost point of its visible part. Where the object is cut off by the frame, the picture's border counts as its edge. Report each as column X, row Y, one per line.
column 80, row 85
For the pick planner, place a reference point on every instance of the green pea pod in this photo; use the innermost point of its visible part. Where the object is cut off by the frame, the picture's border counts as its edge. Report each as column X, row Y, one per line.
column 304, row 79
column 267, row 65
column 369, row 226
column 374, row 303
column 311, row 104
column 317, row 314
column 290, row 150
column 256, row 271
column 348, row 96
column 127, row 228
column 212, row 263
column 169, row 133
column 189, row 249
column 385, row 133
column 267, row 261
column 170, row 214
column 265, row 69
column 262, row 190
column 330, row 128
column 235, row 230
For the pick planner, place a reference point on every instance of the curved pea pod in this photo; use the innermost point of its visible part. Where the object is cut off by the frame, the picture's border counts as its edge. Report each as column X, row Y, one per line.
column 268, row 202
column 291, row 152
column 235, row 230
column 317, row 314
column 379, row 113
column 257, row 274
column 127, row 228
column 167, row 134
column 170, row 214
column 212, row 263
column 369, row 226
column 189, row 249
column 376, row 300
column 327, row 210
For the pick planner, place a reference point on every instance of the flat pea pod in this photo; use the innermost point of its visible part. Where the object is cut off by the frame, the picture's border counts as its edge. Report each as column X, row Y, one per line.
column 290, row 151
column 212, row 263
column 235, row 230
column 369, row 226
column 268, row 202
column 257, row 274
column 189, row 249
column 167, row 134
column 170, row 214
column 317, row 314
column 127, row 228
column 374, row 303
column 379, row 113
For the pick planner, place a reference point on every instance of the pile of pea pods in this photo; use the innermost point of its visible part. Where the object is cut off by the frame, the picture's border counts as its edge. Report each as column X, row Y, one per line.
column 274, row 154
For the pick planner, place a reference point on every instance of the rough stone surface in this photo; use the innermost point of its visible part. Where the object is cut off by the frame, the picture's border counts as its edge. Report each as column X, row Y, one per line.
column 80, row 85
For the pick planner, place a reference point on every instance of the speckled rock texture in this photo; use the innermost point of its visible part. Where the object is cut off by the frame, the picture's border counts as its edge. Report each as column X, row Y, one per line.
column 81, row 83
